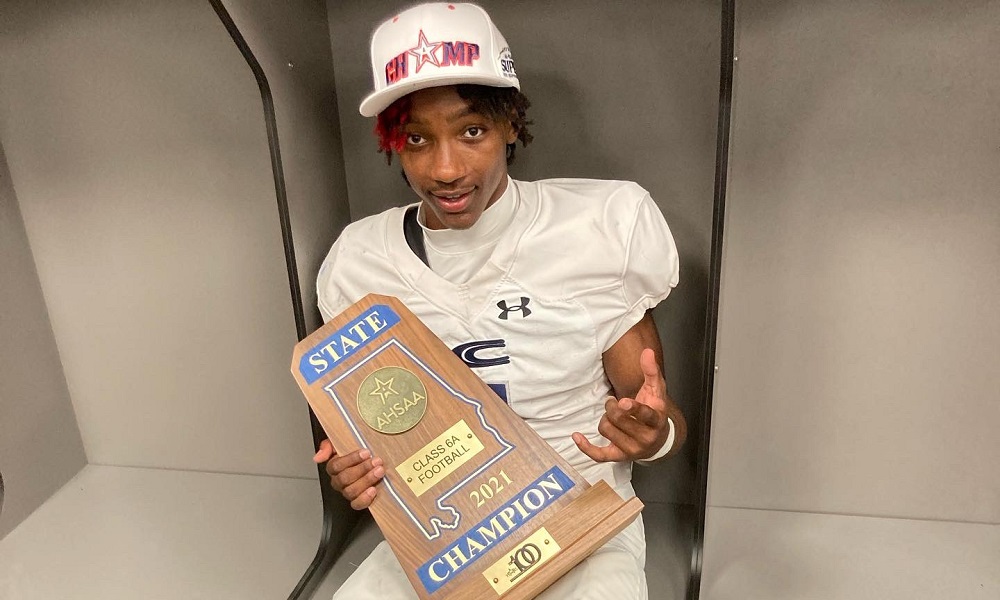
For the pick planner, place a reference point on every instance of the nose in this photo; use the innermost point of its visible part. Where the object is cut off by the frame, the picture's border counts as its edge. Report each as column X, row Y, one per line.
column 446, row 166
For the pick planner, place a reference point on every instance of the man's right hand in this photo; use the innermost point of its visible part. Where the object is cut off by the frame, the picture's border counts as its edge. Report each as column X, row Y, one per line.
column 354, row 475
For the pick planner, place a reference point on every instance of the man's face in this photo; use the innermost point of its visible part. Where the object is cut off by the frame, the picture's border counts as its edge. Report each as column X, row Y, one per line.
column 454, row 159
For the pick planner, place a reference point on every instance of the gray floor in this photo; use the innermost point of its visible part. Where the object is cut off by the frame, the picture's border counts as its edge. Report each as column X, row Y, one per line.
column 117, row 532
column 777, row 555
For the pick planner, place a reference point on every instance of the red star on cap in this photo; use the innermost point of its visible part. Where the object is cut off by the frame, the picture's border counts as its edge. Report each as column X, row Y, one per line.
column 425, row 51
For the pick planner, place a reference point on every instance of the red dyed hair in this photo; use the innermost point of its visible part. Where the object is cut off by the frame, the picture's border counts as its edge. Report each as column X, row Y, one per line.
column 389, row 127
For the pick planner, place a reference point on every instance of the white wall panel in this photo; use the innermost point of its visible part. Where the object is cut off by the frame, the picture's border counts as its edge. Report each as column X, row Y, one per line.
column 859, row 331
column 136, row 143
column 40, row 445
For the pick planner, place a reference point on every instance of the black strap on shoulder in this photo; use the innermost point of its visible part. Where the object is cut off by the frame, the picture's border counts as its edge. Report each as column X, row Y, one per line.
column 414, row 234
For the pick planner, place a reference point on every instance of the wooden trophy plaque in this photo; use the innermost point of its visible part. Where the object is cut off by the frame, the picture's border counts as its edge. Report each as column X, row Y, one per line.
column 474, row 503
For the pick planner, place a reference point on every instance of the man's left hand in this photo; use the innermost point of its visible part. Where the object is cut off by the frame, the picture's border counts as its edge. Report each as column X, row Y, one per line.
column 636, row 427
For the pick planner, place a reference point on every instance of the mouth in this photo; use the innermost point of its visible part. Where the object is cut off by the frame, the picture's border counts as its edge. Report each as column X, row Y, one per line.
column 453, row 201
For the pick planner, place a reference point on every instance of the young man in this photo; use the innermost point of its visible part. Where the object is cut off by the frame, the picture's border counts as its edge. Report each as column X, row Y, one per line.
column 543, row 288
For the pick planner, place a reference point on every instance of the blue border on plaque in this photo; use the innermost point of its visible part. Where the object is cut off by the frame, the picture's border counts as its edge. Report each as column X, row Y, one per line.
column 492, row 530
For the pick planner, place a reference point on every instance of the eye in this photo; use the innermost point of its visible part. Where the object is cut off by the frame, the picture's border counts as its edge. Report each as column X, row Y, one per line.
column 414, row 139
column 475, row 131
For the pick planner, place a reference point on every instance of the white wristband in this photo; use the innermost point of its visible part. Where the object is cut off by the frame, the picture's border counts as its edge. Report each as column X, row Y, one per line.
column 667, row 445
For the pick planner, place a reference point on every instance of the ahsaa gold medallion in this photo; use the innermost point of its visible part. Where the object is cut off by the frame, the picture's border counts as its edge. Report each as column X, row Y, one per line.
column 392, row 400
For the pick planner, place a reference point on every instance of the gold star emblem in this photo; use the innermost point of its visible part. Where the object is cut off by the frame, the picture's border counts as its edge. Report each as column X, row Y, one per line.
column 396, row 386
column 383, row 389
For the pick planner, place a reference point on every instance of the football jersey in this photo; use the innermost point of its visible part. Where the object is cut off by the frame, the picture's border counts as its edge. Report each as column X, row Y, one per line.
column 579, row 264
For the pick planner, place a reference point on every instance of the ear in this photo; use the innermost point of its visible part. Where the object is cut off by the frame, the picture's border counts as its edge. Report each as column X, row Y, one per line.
column 511, row 133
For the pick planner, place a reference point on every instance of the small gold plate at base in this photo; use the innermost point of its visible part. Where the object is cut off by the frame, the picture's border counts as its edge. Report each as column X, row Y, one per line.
column 507, row 572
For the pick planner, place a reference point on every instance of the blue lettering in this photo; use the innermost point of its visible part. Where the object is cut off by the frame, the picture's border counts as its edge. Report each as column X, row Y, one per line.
column 476, row 542
column 347, row 340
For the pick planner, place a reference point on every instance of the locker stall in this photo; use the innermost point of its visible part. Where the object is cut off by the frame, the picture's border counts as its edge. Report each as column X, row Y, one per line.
column 618, row 92
column 173, row 175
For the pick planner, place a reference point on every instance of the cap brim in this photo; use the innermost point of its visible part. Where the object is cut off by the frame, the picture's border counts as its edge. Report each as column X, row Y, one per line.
column 376, row 102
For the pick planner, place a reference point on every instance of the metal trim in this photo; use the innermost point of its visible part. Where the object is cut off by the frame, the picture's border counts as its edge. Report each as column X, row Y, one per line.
column 727, row 59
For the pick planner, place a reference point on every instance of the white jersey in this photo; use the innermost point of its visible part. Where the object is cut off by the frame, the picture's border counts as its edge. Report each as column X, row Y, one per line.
column 579, row 264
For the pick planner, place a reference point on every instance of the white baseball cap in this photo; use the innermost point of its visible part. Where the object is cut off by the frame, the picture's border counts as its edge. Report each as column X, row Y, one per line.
column 436, row 44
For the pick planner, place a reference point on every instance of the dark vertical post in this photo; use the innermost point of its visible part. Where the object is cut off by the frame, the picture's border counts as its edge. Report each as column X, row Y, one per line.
column 727, row 57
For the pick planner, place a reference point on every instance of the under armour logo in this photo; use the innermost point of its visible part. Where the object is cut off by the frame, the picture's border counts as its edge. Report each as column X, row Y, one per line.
column 523, row 307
